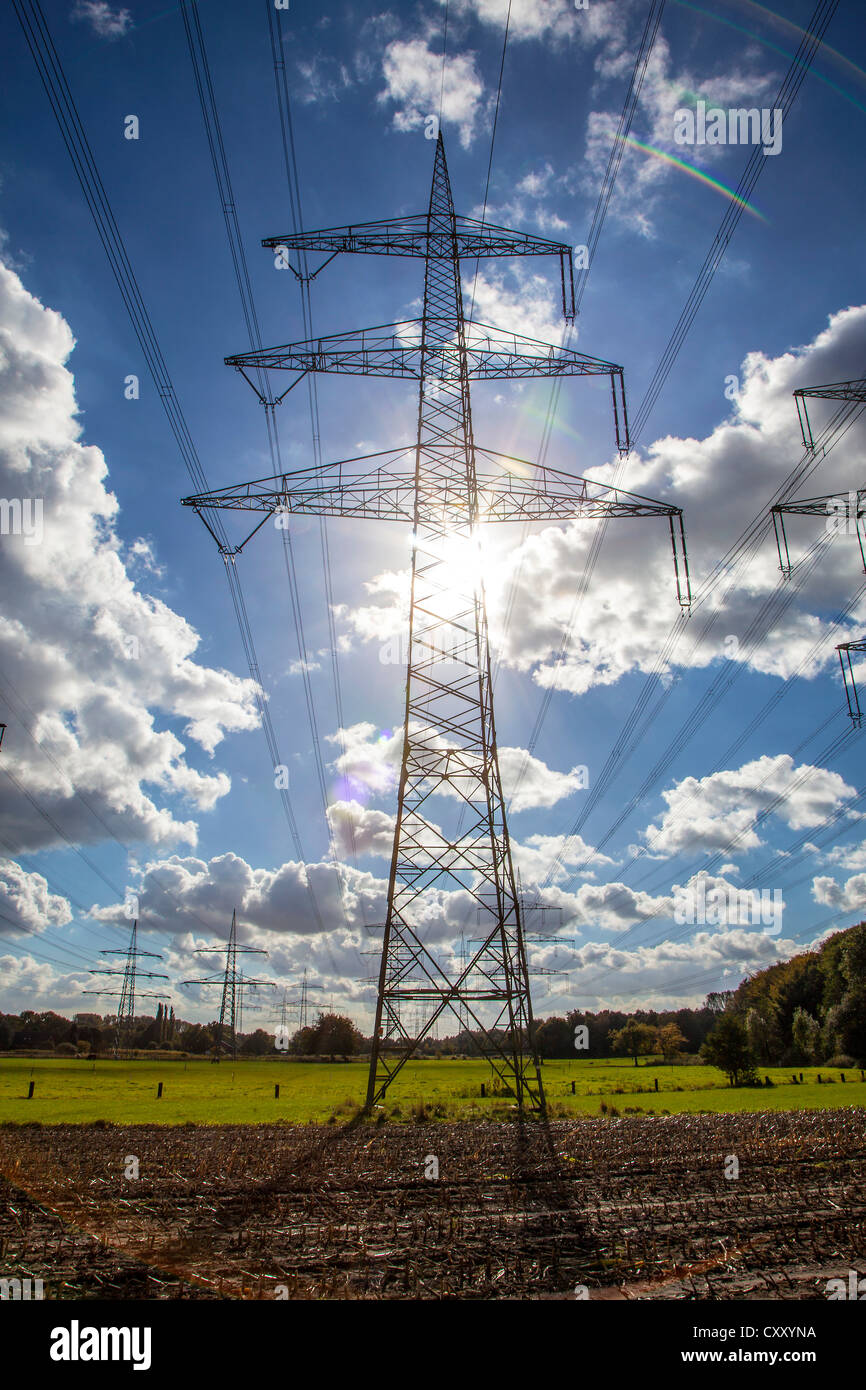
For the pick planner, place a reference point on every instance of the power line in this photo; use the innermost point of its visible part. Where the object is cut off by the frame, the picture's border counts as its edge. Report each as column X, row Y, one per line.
column 219, row 160
column 793, row 79
column 785, row 98
column 653, row 20
column 287, row 135
column 79, row 796
column 51, row 73
column 731, row 566
column 490, row 156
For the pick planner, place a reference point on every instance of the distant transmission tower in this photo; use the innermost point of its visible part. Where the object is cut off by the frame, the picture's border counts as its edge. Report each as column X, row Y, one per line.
column 301, row 1003
column 127, row 992
column 304, row 1011
column 444, row 486
column 243, row 1003
column 233, row 984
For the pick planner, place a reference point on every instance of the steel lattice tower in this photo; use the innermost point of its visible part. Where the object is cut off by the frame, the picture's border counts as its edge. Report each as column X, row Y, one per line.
column 231, row 1003
column 127, row 994
column 446, row 486
column 449, row 738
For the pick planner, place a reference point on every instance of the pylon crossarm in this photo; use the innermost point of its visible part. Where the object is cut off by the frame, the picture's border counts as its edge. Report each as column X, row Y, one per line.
column 834, row 391
column 851, row 693
column 399, row 350
column 412, row 236
column 387, row 493
column 506, row 491
column 818, row 506
column 421, row 236
column 845, row 509
column 123, row 951
column 140, row 974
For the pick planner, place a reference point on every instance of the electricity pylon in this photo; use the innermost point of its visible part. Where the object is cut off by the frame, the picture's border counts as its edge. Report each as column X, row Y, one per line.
column 233, row 984
column 302, row 1005
column 127, row 992
column 851, row 694
column 835, row 391
column 445, row 486
column 243, row 1004
column 842, row 510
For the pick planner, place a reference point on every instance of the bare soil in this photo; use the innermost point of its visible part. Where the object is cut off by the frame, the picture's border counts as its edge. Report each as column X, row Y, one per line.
column 630, row 1208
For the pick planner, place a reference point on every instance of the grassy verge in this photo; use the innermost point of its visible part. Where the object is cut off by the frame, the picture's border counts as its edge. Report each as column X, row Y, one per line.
column 243, row 1093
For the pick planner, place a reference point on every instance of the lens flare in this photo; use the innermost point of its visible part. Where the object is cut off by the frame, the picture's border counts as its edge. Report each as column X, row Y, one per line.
column 695, row 174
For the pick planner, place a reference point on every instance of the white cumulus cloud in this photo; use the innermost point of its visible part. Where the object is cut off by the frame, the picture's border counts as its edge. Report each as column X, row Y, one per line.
column 92, row 665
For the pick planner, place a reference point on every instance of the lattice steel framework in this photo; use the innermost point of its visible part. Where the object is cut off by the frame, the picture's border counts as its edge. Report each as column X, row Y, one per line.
column 834, row 391
column 851, row 692
column 233, row 984
column 128, row 992
column 840, row 510
column 451, row 832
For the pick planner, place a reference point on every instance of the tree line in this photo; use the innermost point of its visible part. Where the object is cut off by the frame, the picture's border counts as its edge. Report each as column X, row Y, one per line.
column 93, row 1035
column 810, row 1009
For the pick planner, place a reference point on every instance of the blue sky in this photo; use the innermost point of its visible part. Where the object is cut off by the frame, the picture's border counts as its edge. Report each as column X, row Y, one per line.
column 165, row 751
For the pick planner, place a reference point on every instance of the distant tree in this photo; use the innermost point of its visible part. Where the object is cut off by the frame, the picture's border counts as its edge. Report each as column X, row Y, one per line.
column 728, row 1048
column 554, row 1038
column 850, row 1019
column 258, row 1043
column 670, row 1041
column 634, row 1040
column 197, row 1039
column 335, row 1033
column 601, row 1026
column 303, row 1042
column 805, row 1037
column 854, row 957
column 760, row 1032
column 41, row 1030
column 843, row 965
column 800, row 984
column 92, row 1037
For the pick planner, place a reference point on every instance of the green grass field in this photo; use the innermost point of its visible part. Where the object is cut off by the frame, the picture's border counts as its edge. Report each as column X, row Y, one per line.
column 72, row 1091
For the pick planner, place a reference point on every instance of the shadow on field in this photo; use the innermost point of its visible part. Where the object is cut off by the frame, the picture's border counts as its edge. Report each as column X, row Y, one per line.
column 632, row 1207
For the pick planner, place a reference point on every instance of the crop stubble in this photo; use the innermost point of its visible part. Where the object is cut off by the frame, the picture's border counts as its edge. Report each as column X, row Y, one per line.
column 630, row 1208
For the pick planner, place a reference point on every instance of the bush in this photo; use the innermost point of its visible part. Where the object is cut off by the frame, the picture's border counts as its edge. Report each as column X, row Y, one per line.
column 842, row 1062
column 66, row 1049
